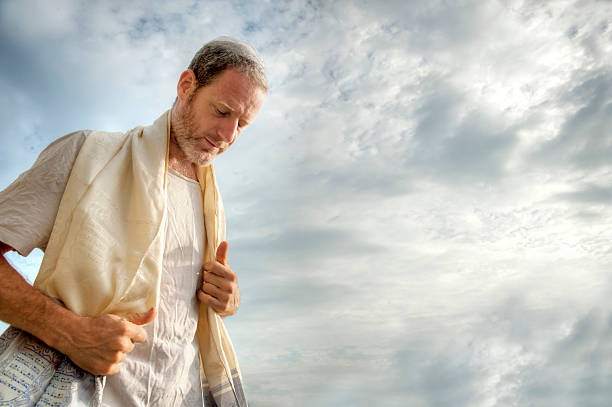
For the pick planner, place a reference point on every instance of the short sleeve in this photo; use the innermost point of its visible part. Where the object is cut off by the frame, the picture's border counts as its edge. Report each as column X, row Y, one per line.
column 29, row 205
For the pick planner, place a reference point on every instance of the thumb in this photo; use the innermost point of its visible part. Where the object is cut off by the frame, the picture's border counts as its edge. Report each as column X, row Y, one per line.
column 222, row 252
column 143, row 318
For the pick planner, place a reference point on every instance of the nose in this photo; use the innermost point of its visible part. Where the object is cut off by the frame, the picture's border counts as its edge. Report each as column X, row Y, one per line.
column 227, row 132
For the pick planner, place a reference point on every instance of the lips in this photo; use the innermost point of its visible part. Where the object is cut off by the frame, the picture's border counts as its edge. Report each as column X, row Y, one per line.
column 210, row 143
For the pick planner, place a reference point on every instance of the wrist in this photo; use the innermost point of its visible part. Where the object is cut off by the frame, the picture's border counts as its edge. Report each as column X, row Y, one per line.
column 60, row 326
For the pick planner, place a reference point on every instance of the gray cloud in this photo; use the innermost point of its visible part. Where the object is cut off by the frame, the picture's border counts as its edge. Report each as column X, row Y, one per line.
column 585, row 139
column 325, row 241
column 597, row 194
column 472, row 147
column 427, row 375
column 576, row 371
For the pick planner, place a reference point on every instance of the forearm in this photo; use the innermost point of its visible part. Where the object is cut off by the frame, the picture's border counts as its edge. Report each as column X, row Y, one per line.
column 26, row 308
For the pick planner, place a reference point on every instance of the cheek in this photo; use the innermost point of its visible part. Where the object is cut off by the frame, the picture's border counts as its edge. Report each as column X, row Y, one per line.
column 235, row 138
column 194, row 126
column 202, row 129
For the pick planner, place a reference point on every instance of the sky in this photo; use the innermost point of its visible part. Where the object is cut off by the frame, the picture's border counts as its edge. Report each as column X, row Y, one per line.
column 421, row 215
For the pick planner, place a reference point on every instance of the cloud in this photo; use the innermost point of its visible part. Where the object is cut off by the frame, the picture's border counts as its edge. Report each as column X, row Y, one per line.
column 597, row 194
column 425, row 376
column 585, row 138
column 576, row 370
column 456, row 145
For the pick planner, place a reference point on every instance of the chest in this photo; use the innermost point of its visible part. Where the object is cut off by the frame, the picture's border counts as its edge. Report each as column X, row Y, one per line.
column 185, row 237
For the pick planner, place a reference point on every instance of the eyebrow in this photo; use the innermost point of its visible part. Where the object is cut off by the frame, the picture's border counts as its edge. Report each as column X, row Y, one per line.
column 226, row 105
column 247, row 122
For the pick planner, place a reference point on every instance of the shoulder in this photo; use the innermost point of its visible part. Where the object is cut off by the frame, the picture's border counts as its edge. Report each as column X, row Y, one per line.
column 58, row 158
column 66, row 146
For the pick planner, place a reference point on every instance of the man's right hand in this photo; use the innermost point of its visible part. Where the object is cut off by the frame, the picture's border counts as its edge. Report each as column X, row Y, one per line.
column 100, row 344
column 96, row 344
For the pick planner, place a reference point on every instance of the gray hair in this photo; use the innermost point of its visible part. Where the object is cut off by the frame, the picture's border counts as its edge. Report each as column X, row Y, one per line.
column 226, row 52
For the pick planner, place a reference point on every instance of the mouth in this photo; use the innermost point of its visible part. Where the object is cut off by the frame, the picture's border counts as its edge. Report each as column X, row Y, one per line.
column 210, row 143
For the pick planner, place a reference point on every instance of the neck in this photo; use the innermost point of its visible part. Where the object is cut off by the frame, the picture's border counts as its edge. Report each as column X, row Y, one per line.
column 177, row 160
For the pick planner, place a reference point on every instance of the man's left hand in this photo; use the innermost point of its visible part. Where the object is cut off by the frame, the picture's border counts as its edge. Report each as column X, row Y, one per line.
column 220, row 286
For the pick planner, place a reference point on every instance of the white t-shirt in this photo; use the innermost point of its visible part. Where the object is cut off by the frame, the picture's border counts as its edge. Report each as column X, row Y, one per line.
column 165, row 370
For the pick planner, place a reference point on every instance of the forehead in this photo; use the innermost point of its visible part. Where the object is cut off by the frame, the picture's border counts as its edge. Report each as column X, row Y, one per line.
column 236, row 91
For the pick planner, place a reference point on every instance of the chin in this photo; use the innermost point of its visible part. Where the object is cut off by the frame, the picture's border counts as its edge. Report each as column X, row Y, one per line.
column 203, row 160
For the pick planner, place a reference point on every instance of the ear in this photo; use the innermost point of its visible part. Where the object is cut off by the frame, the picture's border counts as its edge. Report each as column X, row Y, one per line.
column 186, row 85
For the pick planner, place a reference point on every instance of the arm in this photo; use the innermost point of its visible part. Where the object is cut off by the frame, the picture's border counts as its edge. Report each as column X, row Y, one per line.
column 96, row 344
column 26, row 308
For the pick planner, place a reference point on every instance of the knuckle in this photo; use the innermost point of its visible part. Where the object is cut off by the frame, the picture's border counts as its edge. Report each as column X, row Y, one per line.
column 127, row 346
column 104, row 369
column 123, row 328
column 112, row 370
column 117, row 357
column 117, row 343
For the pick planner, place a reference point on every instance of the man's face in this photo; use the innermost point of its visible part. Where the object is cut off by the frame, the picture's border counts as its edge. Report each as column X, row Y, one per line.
column 215, row 115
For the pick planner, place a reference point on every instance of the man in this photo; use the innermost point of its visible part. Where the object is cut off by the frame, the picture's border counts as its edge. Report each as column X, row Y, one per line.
column 126, row 233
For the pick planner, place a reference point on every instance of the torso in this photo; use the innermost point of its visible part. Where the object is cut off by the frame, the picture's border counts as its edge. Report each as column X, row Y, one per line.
column 165, row 371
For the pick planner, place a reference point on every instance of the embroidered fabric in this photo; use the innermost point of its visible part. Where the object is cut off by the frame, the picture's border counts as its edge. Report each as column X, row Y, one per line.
column 32, row 374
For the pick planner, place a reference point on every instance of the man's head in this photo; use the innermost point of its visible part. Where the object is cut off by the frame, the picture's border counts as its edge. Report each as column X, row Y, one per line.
column 224, row 53
column 217, row 97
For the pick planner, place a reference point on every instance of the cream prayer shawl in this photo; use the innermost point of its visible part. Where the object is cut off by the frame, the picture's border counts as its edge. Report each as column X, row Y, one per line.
column 105, row 251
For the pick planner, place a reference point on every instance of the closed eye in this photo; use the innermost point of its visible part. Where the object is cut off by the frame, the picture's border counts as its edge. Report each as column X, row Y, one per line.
column 220, row 112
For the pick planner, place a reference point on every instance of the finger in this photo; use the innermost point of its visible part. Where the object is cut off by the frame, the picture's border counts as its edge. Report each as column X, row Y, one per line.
column 222, row 252
column 133, row 330
column 123, row 344
column 113, row 370
column 220, row 270
column 209, row 300
column 143, row 318
column 135, row 333
column 214, row 291
column 117, row 357
column 223, row 283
